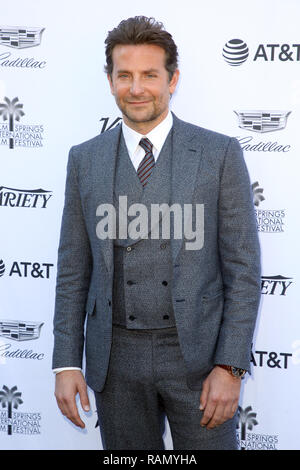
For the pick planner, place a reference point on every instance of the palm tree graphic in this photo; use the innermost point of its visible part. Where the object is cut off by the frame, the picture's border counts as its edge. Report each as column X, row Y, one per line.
column 11, row 399
column 11, row 110
column 257, row 193
column 247, row 421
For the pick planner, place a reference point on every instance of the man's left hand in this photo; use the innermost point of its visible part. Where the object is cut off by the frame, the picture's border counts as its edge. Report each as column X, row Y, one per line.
column 219, row 398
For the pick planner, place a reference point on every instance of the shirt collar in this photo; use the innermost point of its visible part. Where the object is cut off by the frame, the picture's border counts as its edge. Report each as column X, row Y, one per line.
column 157, row 136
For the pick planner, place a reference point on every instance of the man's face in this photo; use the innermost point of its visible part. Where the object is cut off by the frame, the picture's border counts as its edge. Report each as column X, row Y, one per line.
column 140, row 84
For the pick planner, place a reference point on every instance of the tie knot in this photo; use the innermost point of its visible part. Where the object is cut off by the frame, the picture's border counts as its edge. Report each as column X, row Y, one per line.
column 146, row 145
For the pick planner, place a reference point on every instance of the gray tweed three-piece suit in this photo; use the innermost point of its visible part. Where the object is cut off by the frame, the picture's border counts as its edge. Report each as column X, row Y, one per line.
column 159, row 316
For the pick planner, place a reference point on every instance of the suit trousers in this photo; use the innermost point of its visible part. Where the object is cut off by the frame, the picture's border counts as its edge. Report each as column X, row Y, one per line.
column 146, row 381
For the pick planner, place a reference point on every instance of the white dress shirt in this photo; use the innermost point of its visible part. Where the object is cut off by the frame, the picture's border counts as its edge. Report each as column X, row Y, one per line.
column 132, row 138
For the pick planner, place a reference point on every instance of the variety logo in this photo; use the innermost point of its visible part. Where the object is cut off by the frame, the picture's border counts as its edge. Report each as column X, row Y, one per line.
column 262, row 121
column 106, row 126
column 248, row 440
column 236, row 52
column 13, row 422
column 20, row 330
column 275, row 285
column 18, row 37
column 17, row 135
column 33, row 198
column 28, row 269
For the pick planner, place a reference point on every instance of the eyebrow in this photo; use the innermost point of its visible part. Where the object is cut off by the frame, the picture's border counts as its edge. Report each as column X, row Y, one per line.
column 144, row 71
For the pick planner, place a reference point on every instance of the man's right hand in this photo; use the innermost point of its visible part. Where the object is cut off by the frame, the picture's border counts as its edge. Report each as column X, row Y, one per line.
column 67, row 384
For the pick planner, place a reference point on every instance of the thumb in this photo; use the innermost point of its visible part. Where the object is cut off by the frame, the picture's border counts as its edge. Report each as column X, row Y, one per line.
column 84, row 399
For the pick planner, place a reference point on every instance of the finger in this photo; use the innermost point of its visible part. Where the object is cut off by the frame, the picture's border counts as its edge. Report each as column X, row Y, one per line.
column 203, row 398
column 70, row 410
column 84, row 398
column 223, row 412
column 208, row 412
column 217, row 417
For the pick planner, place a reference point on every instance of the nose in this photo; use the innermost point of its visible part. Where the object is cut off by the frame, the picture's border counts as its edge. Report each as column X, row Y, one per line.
column 136, row 87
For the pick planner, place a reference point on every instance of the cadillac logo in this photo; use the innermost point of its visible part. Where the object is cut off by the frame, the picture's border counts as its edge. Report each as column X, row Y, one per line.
column 262, row 121
column 20, row 37
column 20, row 330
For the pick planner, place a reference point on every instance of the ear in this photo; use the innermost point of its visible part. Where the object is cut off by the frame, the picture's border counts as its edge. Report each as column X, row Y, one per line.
column 109, row 77
column 174, row 81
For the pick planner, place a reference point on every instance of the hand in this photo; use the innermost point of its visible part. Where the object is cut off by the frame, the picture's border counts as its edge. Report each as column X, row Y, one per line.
column 219, row 398
column 67, row 384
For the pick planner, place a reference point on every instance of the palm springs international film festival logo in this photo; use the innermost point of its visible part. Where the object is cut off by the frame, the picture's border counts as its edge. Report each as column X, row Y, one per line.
column 20, row 37
column 267, row 220
column 18, row 135
column 253, row 441
column 15, row 422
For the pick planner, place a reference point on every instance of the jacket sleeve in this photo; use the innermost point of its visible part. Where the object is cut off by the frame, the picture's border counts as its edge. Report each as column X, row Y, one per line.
column 74, row 268
column 239, row 254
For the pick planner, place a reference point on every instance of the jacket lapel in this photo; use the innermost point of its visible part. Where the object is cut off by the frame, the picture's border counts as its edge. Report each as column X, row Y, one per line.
column 186, row 158
column 105, row 171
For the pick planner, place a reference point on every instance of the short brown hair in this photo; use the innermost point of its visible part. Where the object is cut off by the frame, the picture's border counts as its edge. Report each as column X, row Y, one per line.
column 142, row 30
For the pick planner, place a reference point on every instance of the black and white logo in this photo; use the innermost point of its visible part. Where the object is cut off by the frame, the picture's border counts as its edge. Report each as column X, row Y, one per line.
column 235, row 52
column 27, row 269
column 29, row 198
column 275, row 285
column 106, row 126
column 20, row 37
column 18, row 135
column 262, row 121
column 20, row 330
column 258, row 196
column 253, row 441
column 271, row 359
column 268, row 220
column 2, row 267
column 14, row 422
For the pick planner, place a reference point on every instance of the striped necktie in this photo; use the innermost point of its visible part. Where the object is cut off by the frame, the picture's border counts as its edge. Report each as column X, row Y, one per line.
column 145, row 167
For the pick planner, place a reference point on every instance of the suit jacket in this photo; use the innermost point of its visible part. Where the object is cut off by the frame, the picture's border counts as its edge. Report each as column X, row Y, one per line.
column 215, row 290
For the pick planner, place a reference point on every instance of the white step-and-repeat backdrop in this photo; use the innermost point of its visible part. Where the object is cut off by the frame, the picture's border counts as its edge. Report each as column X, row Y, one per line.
column 240, row 75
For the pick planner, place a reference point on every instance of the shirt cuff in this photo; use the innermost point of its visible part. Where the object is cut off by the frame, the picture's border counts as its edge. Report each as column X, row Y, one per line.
column 60, row 369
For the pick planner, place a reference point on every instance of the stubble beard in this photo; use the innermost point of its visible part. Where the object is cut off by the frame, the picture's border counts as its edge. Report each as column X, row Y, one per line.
column 151, row 115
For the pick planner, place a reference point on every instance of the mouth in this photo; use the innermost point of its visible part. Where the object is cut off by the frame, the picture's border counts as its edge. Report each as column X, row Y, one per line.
column 138, row 103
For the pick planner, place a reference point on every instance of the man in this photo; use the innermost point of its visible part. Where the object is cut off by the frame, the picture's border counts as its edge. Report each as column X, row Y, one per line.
column 169, row 325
